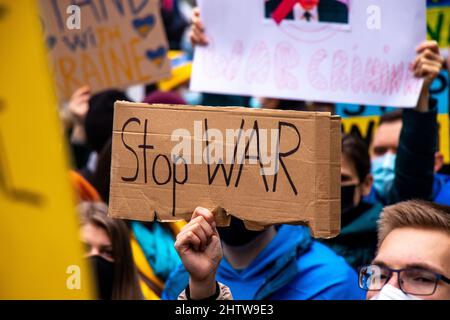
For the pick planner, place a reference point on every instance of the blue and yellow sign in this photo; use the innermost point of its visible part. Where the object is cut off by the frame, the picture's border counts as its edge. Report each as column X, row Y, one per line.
column 438, row 24
column 363, row 120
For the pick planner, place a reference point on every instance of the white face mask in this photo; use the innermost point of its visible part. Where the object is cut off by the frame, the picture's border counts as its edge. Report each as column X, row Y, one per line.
column 389, row 292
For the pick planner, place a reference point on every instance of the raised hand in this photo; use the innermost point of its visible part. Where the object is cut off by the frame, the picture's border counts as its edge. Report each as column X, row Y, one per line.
column 198, row 245
column 197, row 33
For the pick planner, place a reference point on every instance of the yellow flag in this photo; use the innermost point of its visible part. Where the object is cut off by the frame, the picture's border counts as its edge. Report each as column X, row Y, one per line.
column 40, row 250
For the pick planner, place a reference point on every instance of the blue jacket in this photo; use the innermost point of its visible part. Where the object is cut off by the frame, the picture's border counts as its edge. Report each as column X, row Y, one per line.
column 440, row 195
column 291, row 267
column 441, row 189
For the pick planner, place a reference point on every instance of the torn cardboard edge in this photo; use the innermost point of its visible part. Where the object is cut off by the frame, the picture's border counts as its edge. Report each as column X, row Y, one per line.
column 329, row 224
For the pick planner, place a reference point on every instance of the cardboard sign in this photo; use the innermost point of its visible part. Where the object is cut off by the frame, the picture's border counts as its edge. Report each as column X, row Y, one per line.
column 346, row 52
column 41, row 252
column 438, row 23
column 119, row 43
column 363, row 120
column 264, row 167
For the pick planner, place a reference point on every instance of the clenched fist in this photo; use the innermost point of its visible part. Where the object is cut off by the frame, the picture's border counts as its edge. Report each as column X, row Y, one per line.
column 428, row 64
column 198, row 245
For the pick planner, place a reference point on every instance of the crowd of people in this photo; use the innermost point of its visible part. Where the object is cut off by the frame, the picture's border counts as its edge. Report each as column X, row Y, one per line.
column 395, row 237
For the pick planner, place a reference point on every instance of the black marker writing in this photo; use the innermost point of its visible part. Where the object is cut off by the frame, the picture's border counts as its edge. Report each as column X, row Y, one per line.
column 132, row 120
column 282, row 155
column 227, row 176
column 144, row 146
column 255, row 131
column 161, row 164
column 176, row 181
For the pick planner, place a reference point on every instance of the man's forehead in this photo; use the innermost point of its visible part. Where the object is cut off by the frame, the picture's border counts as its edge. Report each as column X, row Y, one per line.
column 94, row 234
column 388, row 133
column 407, row 246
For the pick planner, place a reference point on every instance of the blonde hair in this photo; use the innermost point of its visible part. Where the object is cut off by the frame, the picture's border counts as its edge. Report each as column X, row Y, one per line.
column 415, row 213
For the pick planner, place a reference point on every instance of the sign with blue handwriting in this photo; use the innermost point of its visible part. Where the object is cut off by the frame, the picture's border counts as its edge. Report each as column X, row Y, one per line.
column 104, row 44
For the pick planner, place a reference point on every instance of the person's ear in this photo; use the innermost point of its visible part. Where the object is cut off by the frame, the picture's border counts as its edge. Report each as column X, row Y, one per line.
column 367, row 185
column 438, row 161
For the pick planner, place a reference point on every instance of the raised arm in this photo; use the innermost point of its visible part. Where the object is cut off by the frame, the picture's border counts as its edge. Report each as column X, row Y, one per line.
column 197, row 33
column 198, row 245
column 414, row 171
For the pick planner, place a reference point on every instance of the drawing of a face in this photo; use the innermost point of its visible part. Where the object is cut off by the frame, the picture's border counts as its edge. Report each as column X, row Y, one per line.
column 309, row 4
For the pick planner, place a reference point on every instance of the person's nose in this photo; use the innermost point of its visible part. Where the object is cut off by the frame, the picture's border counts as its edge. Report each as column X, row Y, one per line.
column 93, row 252
column 388, row 159
column 393, row 281
column 392, row 152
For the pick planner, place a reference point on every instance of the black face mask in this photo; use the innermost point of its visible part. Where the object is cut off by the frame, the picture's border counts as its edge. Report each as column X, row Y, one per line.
column 104, row 273
column 347, row 198
column 236, row 235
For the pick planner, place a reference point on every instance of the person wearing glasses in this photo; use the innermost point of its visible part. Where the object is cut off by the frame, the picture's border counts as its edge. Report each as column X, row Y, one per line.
column 413, row 259
column 412, row 263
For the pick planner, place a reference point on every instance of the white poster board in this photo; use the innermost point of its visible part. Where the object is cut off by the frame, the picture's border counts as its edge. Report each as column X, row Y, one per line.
column 364, row 58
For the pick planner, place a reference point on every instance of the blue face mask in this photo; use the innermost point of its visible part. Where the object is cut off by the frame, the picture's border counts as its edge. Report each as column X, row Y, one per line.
column 255, row 103
column 193, row 98
column 383, row 170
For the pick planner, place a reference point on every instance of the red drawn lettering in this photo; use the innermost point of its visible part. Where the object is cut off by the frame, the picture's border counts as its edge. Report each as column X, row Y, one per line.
column 258, row 64
column 339, row 77
column 287, row 58
column 317, row 79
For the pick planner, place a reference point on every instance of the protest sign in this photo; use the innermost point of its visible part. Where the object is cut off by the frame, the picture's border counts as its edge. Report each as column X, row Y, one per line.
column 118, row 43
column 363, row 120
column 438, row 23
column 264, row 167
column 42, row 256
column 352, row 54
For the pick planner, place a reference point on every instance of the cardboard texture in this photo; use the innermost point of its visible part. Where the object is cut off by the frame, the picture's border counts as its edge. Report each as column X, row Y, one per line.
column 149, row 182
column 119, row 44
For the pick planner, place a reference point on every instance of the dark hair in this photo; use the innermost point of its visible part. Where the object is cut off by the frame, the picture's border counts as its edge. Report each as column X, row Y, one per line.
column 102, row 174
column 291, row 105
column 393, row 116
column 100, row 117
column 126, row 281
column 358, row 153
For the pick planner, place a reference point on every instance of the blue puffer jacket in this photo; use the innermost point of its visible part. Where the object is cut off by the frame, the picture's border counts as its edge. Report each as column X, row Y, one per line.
column 291, row 267
column 441, row 189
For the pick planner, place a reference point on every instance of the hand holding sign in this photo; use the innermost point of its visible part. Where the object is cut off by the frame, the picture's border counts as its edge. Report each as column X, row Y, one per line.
column 197, row 34
column 428, row 63
column 199, row 248
column 340, row 57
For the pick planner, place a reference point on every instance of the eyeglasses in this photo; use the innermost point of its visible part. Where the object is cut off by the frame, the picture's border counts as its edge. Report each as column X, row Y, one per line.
column 414, row 281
